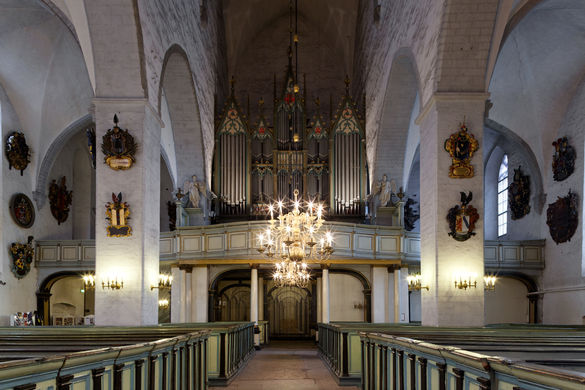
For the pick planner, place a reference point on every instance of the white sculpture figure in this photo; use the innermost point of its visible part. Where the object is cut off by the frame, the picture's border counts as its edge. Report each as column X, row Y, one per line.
column 195, row 188
column 385, row 191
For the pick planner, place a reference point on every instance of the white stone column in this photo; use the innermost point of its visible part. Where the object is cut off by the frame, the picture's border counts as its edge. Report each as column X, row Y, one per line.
column 260, row 298
column 133, row 259
column 189, row 294
column 254, row 295
column 325, row 296
column 178, row 295
column 319, row 300
column 390, row 302
column 379, row 293
column 442, row 257
column 254, row 300
column 200, row 288
column 401, row 303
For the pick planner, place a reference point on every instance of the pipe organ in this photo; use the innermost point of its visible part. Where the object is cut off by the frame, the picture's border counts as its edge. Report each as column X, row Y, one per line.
column 231, row 162
column 258, row 163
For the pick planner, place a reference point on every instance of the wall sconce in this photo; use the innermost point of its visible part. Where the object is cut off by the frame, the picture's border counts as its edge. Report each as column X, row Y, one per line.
column 358, row 306
column 163, row 303
column 489, row 282
column 164, row 282
column 415, row 282
column 465, row 282
column 113, row 283
column 88, row 281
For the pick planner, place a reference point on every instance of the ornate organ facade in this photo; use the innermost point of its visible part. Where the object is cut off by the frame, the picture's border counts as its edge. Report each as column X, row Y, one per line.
column 259, row 162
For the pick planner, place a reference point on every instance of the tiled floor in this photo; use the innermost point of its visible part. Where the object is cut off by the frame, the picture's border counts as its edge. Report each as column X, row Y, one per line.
column 286, row 365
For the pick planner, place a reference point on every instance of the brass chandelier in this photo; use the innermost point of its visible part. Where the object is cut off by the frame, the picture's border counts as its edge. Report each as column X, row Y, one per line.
column 294, row 239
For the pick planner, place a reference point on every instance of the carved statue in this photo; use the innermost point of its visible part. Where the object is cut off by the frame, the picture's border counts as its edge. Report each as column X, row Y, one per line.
column 385, row 191
column 195, row 189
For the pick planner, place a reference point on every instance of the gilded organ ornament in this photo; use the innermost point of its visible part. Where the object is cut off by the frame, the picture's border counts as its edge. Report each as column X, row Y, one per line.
column 60, row 200
column 17, row 151
column 563, row 163
column 118, row 214
column 519, row 195
column 22, row 258
column 562, row 218
column 461, row 146
column 462, row 219
column 118, row 147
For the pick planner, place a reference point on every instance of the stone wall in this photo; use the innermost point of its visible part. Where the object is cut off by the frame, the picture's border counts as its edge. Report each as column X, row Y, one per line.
column 165, row 23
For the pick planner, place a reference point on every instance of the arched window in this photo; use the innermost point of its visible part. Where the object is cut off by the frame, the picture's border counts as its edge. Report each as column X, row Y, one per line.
column 503, row 197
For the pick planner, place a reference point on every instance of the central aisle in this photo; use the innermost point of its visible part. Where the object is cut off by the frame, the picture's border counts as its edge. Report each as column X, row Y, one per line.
column 286, row 365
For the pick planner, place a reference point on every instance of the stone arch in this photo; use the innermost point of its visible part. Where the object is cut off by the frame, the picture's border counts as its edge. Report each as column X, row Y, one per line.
column 39, row 194
column 499, row 140
column 367, row 288
column 179, row 90
column 398, row 136
column 44, row 293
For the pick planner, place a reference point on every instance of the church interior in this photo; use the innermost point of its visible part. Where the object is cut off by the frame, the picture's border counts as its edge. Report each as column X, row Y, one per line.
column 395, row 186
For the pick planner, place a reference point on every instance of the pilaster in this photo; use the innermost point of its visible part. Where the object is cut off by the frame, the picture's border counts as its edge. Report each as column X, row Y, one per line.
column 133, row 259
column 442, row 257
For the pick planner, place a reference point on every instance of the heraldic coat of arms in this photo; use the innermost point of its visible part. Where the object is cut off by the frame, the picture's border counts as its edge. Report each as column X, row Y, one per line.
column 461, row 146
column 462, row 219
column 22, row 257
column 118, row 147
column 60, row 200
column 519, row 195
column 17, row 151
column 118, row 214
column 563, row 163
column 562, row 218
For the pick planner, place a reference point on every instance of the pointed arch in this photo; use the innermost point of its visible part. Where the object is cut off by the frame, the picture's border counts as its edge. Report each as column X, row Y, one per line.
column 177, row 87
column 397, row 134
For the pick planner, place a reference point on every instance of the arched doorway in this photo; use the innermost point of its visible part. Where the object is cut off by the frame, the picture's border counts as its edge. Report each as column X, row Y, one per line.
column 62, row 299
column 289, row 312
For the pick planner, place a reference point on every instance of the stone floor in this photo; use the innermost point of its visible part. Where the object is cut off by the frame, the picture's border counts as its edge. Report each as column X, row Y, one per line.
column 286, row 365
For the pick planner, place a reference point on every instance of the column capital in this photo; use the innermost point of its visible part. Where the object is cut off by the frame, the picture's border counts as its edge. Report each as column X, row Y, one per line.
column 186, row 267
column 254, row 266
column 449, row 97
column 393, row 267
column 325, row 266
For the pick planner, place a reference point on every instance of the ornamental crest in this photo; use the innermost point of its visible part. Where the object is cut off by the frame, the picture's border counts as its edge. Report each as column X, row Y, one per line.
column 22, row 257
column 22, row 210
column 118, row 214
column 461, row 146
column 118, row 147
column 563, row 163
column 562, row 218
column 60, row 200
column 411, row 214
column 519, row 195
column 17, row 151
column 462, row 219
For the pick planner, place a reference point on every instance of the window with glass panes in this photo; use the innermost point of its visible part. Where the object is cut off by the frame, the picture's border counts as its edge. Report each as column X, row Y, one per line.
column 503, row 197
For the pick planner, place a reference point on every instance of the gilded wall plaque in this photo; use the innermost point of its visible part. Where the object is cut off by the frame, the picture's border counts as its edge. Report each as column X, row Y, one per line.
column 461, row 146
column 118, row 147
column 118, row 214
